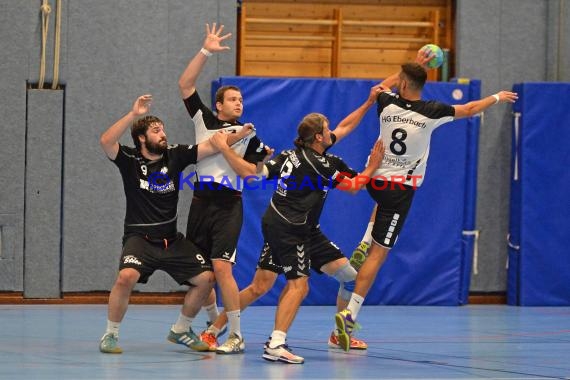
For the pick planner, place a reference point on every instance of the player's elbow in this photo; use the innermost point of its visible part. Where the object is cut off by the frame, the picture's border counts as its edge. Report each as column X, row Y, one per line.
column 181, row 84
column 471, row 111
column 186, row 88
column 468, row 110
column 105, row 141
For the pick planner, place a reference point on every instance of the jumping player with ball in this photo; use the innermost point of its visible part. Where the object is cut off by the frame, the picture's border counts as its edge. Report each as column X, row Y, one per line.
column 407, row 144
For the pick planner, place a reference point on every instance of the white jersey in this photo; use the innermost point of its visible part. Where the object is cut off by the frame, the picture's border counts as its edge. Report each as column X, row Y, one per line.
column 215, row 168
column 214, row 165
column 406, row 128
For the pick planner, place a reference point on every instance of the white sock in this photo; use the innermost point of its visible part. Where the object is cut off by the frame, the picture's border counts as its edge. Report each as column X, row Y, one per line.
column 182, row 324
column 354, row 305
column 113, row 327
column 367, row 238
column 212, row 311
column 234, row 321
column 277, row 338
column 214, row 330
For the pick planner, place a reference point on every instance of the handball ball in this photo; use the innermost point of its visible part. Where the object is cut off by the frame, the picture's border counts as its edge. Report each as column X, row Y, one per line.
column 437, row 60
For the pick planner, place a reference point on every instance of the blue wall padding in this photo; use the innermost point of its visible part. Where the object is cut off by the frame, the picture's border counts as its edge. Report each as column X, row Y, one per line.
column 431, row 263
column 539, row 257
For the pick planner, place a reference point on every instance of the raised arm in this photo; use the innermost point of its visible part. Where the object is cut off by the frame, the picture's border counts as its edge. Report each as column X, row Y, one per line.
column 350, row 122
column 110, row 138
column 476, row 106
column 422, row 57
column 212, row 44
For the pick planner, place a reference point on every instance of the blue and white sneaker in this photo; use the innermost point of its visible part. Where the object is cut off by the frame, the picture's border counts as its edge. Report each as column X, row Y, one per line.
column 188, row 339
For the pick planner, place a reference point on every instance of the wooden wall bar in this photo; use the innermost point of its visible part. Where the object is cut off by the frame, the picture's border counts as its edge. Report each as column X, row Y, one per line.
column 356, row 39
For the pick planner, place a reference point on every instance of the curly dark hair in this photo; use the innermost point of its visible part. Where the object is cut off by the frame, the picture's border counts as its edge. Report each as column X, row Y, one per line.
column 140, row 127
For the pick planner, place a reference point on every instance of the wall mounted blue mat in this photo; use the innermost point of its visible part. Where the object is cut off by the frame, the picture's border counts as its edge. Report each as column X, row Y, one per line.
column 539, row 230
column 431, row 263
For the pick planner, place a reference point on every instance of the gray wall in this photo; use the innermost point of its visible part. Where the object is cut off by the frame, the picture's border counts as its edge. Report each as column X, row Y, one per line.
column 114, row 50
column 503, row 42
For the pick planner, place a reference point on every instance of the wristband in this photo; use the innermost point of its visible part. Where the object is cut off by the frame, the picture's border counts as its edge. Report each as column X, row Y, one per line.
column 206, row 52
column 496, row 96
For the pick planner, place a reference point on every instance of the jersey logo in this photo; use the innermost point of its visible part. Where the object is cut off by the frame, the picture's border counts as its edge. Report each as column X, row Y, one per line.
column 323, row 161
column 130, row 259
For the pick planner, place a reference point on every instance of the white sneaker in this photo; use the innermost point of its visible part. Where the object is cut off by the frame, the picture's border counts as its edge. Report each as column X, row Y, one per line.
column 282, row 353
column 234, row 345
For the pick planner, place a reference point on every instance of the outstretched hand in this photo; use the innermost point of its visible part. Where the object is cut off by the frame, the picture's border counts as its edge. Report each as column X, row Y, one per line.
column 213, row 40
column 375, row 91
column 424, row 56
column 142, row 105
column 507, row 96
column 376, row 154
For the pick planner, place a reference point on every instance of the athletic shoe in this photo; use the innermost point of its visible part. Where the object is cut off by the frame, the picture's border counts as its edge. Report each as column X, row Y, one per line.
column 234, row 345
column 223, row 330
column 109, row 344
column 345, row 324
column 355, row 344
column 188, row 339
column 210, row 339
column 282, row 353
column 359, row 255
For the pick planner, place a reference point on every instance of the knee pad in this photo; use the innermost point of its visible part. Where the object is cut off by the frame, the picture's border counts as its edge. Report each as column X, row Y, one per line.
column 345, row 290
column 346, row 276
column 345, row 273
column 349, row 286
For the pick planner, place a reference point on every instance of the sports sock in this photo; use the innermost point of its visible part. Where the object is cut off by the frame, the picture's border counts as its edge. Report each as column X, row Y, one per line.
column 277, row 338
column 354, row 305
column 214, row 330
column 182, row 324
column 367, row 238
column 212, row 311
column 234, row 321
column 113, row 327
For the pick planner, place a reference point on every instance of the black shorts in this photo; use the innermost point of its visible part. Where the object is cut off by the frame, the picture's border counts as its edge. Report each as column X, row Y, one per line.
column 181, row 259
column 297, row 248
column 321, row 249
column 394, row 201
column 214, row 225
